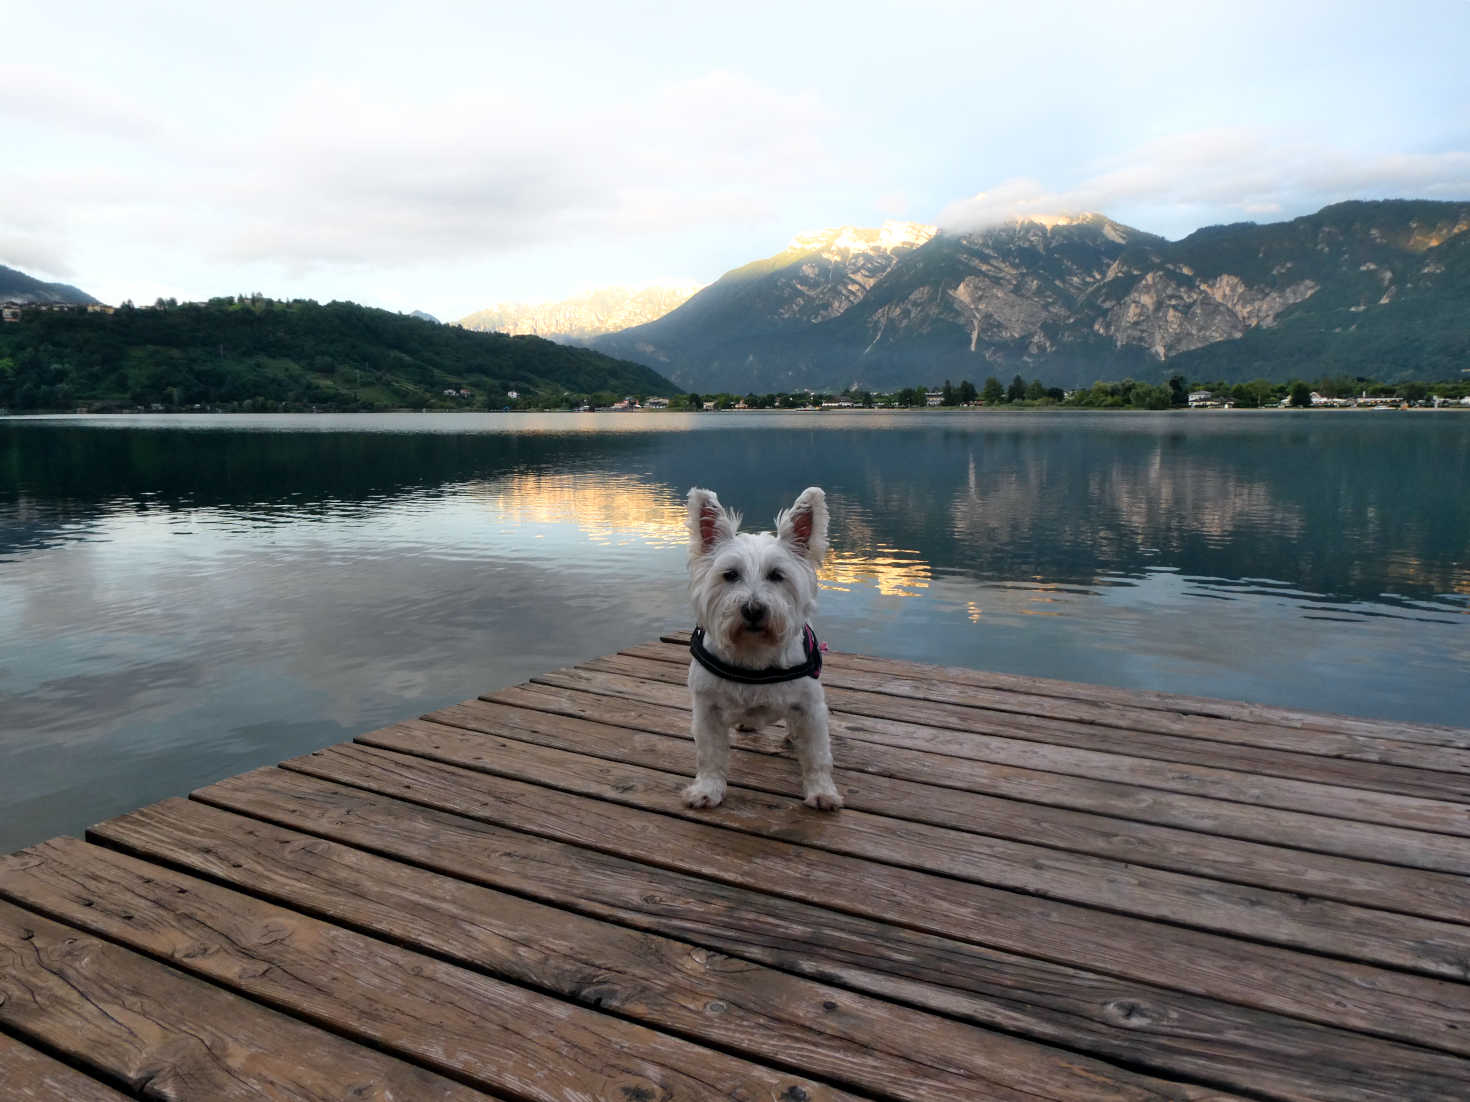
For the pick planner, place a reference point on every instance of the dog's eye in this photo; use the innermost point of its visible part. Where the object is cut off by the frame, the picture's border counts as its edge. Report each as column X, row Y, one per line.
column 776, row 576
column 732, row 575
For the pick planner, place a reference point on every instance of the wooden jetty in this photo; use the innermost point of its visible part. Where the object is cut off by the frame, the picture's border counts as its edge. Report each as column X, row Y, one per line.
column 1037, row 890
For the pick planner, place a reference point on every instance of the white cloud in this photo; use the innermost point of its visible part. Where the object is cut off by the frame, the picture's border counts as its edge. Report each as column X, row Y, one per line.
column 37, row 96
column 474, row 152
column 1232, row 172
column 342, row 175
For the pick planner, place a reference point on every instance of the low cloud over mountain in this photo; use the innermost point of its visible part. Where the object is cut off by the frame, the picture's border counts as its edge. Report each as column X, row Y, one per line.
column 1363, row 287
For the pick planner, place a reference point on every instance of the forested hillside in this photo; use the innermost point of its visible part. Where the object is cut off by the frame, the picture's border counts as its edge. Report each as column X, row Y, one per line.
column 257, row 353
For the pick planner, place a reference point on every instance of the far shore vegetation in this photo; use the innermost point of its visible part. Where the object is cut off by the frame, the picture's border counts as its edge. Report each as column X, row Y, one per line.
column 256, row 355
column 1177, row 393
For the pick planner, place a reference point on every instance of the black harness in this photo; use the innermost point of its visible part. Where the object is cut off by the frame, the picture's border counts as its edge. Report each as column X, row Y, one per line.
column 771, row 675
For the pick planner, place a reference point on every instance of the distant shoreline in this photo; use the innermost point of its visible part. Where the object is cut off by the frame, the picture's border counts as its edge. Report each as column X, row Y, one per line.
column 8, row 415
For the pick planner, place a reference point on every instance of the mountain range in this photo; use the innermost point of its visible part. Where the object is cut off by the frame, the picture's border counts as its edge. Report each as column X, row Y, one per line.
column 16, row 286
column 579, row 320
column 1378, row 289
column 1375, row 288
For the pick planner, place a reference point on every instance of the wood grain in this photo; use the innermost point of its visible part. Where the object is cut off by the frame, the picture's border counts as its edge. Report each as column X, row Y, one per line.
column 492, row 1034
column 1238, row 784
column 761, row 1013
column 639, row 733
column 1355, row 761
column 1139, row 1024
column 1033, row 772
column 1281, row 918
column 167, row 1035
column 1036, row 890
column 1335, row 992
column 675, row 648
column 31, row 1076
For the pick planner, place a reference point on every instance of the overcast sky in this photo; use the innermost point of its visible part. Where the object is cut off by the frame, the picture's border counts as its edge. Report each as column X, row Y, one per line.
column 444, row 156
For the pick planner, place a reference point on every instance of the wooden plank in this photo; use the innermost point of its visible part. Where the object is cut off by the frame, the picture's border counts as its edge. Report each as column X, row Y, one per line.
column 676, row 646
column 31, row 1076
column 497, row 1036
column 1386, row 765
column 1281, row 918
column 167, row 1035
column 1437, row 816
column 1411, row 1007
column 1136, row 1024
column 1033, row 782
column 852, row 1040
column 641, row 736
column 1414, row 773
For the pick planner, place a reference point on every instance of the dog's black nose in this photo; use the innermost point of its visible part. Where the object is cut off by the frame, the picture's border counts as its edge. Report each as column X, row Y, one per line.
column 754, row 612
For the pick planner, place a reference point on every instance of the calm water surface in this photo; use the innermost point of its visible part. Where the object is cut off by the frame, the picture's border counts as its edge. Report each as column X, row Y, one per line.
column 186, row 598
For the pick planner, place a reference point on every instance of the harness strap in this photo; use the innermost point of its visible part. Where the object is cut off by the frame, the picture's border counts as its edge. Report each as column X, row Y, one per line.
column 811, row 667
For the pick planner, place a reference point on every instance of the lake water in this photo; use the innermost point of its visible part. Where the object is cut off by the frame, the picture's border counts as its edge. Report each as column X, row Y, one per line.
column 183, row 598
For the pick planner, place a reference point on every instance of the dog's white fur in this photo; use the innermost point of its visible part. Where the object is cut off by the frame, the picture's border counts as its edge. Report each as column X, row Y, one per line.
column 753, row 594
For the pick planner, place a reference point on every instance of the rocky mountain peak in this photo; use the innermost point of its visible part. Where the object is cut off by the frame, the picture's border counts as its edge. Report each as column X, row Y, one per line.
column 858, row 239
column 577, row 320
column 1045, row 227
column 1073, row 296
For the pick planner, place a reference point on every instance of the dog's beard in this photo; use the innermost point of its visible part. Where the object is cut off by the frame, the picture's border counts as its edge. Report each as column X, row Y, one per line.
column 741, row 637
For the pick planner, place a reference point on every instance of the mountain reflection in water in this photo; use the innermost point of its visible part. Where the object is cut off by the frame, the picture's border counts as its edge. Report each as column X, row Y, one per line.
column 184, row 598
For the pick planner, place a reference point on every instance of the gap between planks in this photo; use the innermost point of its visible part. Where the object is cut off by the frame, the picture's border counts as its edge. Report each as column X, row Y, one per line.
column 1212, row 800
column 1283, row 719
column 546, row 717
column 1378, row 765
column 1166, row 1030
column 1401, row 1004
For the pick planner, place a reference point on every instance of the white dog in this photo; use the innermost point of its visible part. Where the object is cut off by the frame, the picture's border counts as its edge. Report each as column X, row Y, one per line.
column 755, row 658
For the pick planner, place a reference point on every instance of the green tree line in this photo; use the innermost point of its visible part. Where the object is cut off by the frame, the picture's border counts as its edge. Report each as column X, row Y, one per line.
column 254, row 353
column 1124, row 394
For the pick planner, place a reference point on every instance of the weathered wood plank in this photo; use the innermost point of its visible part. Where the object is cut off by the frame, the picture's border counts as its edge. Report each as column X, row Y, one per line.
column 1438, row 816
column 1281, row 918
column 1426, row 734
column 1385, row 765
column 1138, row 1024
column 993, row 768
column 167, row 1035
column 1415, row 772
column 31, row 1076
column 849, row 1039
column 1334, row 992
column 497, row 1036
column 641, row 736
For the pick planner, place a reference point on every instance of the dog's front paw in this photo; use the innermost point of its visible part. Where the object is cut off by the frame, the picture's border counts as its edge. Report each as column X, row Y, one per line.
column 705, row 792
column 823, row 797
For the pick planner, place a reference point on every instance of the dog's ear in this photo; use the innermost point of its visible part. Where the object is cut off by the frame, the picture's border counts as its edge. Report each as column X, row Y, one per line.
column 709, row 525
column 804, row 526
